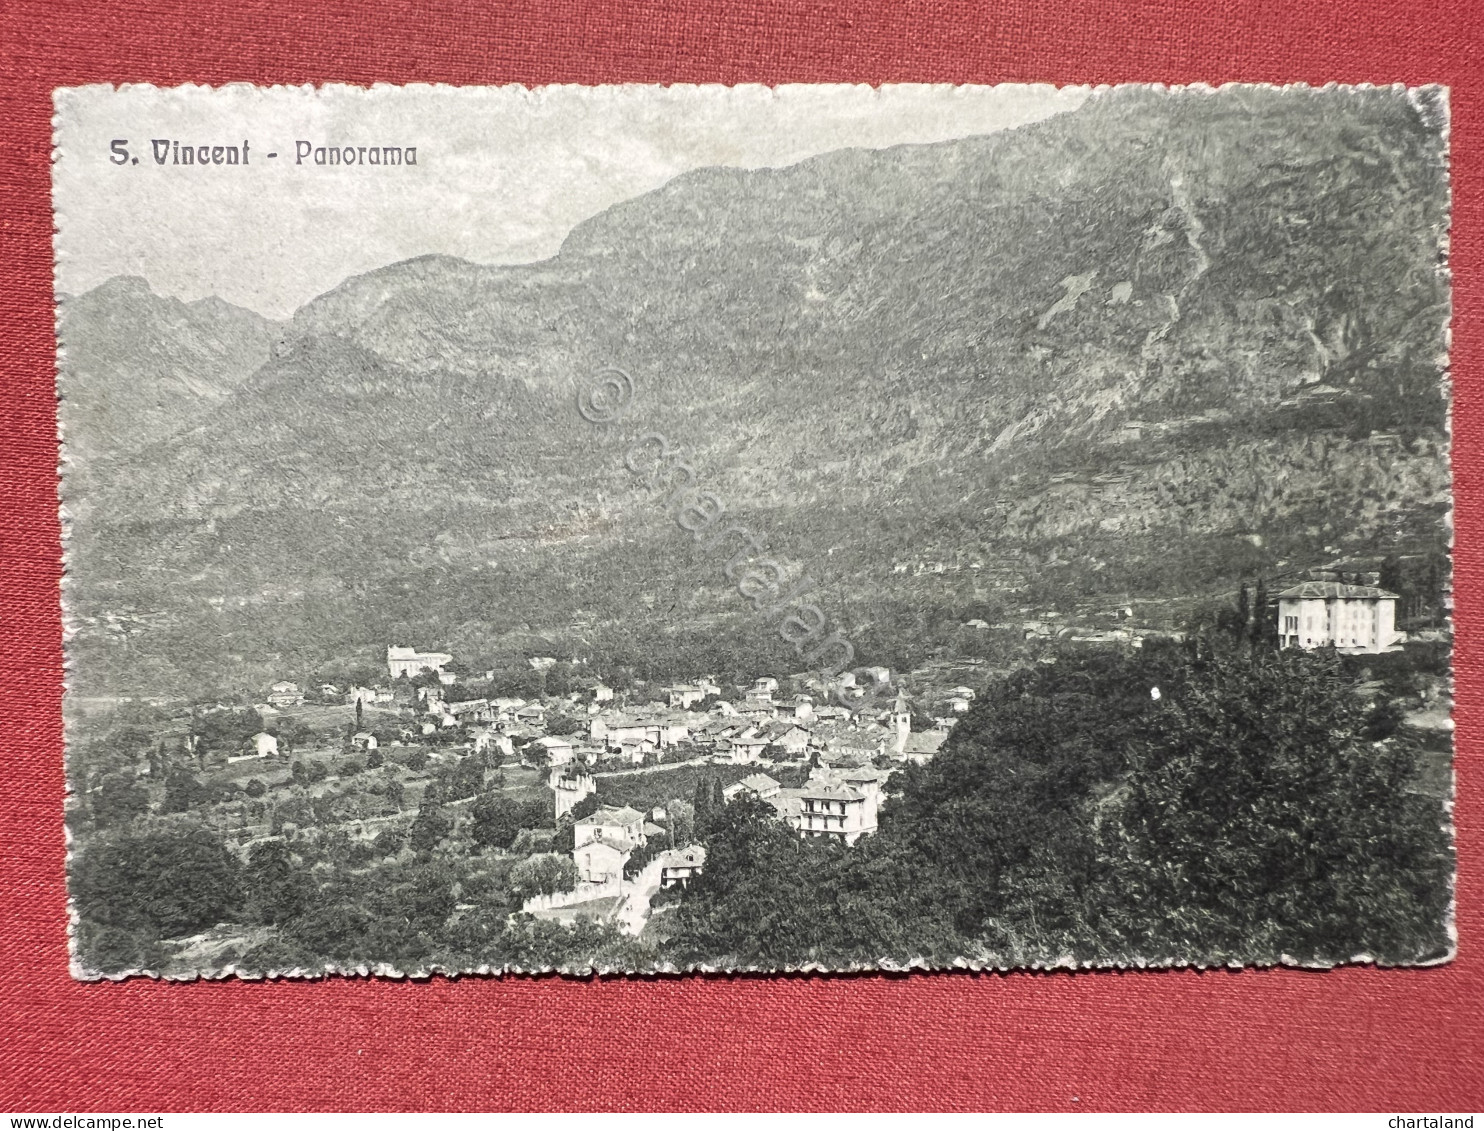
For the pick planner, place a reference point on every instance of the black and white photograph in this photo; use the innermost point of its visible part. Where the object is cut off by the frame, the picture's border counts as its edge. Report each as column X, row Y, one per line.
column 674, row 529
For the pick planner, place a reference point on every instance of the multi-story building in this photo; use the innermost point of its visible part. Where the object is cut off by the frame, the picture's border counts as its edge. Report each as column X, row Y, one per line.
column 410, row 662
column 285, row 694
column 611, row 823
column 570, row 788
column 1352, row 618
column 836, row 811
column 601, row 860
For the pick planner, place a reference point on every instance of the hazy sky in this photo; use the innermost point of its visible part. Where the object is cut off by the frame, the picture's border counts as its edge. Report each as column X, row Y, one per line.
column 502, row 174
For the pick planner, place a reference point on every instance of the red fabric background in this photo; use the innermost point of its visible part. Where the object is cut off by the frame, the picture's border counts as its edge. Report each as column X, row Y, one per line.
column 1349, row 1039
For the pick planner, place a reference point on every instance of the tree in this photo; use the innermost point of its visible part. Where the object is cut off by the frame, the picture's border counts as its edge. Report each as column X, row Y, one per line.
column 753, row 904
column 168, row 883
column 701, row 804
column 1261, row 818
column 496, row 821
column 184, row 791
column 389, row 842
column 1260, row 633
column 374, row 759
column 681, row 816
column 337, row 931
column 543, row 874
column 428, row 897
column 291, row 733
column 394, row 790
column 300, row 773
column 559, row 723
column 118, row 799
column 586, row 807
column 429, row 827
column 256, row 788
column 278, row 888
column 468, row 777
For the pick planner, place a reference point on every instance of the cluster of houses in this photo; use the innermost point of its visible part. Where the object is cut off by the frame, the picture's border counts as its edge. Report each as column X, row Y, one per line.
column 836, row 803
column 603, row 842
column 843, row 729
column 759, row 726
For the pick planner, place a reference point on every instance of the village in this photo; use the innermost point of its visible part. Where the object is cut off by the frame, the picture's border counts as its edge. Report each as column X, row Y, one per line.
column 584, row 803
column 818, row 753
column 578, row 806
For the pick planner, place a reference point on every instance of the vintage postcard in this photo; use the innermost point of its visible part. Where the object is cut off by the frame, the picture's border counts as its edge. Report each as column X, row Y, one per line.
column 694, row 528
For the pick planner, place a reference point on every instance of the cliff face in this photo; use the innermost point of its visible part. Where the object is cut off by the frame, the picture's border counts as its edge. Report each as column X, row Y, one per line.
column 1159, row 342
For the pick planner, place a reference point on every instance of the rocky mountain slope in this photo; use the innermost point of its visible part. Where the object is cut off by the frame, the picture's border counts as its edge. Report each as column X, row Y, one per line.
column 138, row 368
column 1142, row 349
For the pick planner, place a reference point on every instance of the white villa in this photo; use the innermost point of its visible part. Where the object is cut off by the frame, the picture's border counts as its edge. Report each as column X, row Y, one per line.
column 684, row 696
column 1353, row 618
column 837, row 811
column 558, row 749
column 601, row 861
column 611, row 823
column 285, row 694
column 604, row 841
column 410, row 662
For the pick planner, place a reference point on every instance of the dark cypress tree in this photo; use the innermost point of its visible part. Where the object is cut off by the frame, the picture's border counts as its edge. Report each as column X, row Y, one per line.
column 702, row 802
column 1434, row 590
column 358, row 713
column 1259, row 628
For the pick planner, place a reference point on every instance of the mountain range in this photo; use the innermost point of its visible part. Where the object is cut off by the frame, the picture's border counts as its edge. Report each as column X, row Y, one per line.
column 1136, row 353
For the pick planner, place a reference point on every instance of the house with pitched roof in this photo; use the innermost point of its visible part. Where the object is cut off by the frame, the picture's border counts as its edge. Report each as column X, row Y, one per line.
column 745, row 748
column 601, row 861
column 285, row 694
column 683, row 696
column 835, row 811
column 760, row 786
column 612, row 823
column 1356, row 619
column 410, row 662
column 920, row 746
column 679, row 865
column 558, row 750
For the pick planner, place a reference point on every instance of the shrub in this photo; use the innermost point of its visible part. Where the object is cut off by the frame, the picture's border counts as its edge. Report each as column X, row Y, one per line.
column 166, row 883
column 389, row 842
column 543, row 875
